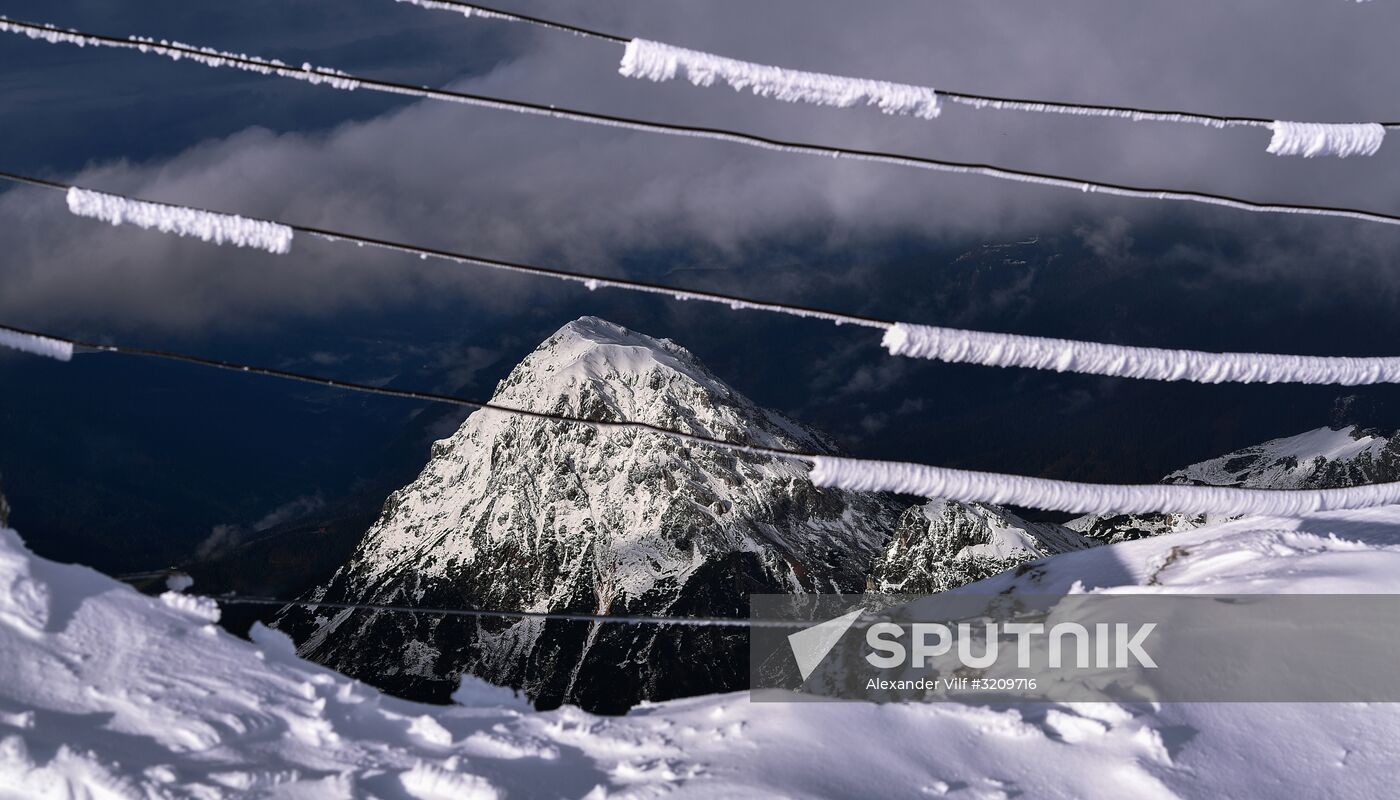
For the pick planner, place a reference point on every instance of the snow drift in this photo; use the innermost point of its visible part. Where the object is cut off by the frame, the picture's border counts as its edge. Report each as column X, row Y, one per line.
column 112, row 694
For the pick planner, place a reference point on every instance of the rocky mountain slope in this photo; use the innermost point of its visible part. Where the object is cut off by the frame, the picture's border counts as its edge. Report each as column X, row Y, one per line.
column 944, row 544
column 531, row 514
column 1325, row 458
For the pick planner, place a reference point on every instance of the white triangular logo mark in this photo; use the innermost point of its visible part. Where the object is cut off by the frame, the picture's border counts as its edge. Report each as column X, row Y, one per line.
column 810, row 645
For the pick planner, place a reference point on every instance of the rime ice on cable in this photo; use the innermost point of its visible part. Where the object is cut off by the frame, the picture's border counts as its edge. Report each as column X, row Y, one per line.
column 321, row 75
column 1310, row 139
column 38, row 345
column 1144, row 363
column 466, row 11
column 207, row 225
column 659, row 62
column 859, row 475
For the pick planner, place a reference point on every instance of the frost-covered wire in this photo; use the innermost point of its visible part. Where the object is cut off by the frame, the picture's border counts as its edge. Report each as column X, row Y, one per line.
column 485, row 12
column 864, row 475
column 1120, row 361
column 656, row 61
column 1309, row 139
column 860, row 475
column 322, row 76
column 177, row 51
column 36, row 344
column 590, row 281
column 181, row 220
column 911, row 340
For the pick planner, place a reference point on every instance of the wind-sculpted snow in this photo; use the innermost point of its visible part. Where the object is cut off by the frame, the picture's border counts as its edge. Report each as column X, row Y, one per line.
column 1087, row 498
column 530, row 514
column 1147, row 363
column 181, row 221
column 1309, row 139
column 657, row 61
column 37, row 345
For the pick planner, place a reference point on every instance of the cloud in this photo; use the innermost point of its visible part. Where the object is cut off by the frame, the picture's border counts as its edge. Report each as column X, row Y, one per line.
column 588, row 198
column 225, row 538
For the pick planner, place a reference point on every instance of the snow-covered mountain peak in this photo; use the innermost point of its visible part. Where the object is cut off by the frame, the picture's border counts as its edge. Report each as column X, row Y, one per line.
column 590, row 350
column 1322, row 458
column 599, row 370
column 1287, row 463
column 536, row 514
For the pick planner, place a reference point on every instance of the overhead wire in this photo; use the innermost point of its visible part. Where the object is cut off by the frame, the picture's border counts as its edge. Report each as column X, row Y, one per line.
column 343, row 80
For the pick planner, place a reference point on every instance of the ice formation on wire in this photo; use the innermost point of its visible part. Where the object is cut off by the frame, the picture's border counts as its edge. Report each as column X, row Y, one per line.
column 340, row 80
column 464, row 10
column 1149, row 363
column 1068, row 109
column 177, row 51
column 1310, row 139
column 657, row 61
column 38, row 345
column 181, row 221
column 1087, row 498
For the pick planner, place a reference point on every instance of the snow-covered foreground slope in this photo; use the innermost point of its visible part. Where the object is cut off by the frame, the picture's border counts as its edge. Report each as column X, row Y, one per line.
column 107, row 693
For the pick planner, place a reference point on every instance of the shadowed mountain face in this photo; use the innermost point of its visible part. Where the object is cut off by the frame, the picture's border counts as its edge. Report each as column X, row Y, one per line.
column 518, row 513
column 944, row 544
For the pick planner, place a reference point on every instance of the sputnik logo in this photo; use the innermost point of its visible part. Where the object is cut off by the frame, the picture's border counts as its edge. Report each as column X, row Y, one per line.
column 810, row 645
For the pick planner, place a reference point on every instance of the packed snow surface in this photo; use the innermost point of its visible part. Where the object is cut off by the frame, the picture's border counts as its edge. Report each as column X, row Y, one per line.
column 658, row 61
column 112, row 694
column 1310, row 139
column 181, row 221
column 1149, row 363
